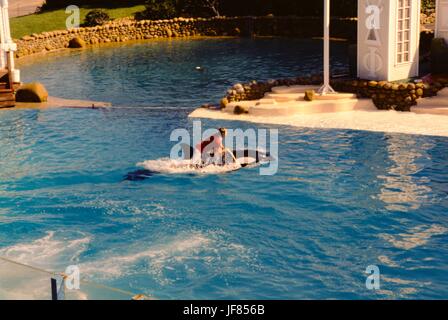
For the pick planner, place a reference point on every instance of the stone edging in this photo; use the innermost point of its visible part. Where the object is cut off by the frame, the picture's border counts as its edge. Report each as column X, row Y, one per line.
column 385, row 95
column 127, row 30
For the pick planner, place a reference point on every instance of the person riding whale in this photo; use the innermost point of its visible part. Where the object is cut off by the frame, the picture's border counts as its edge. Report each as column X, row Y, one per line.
column 212, row 149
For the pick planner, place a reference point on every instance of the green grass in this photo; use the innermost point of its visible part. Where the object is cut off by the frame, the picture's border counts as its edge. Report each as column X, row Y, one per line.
column 55, row 20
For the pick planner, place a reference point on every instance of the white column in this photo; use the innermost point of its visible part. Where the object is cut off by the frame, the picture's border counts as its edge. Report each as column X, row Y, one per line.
column 7, row 46
column 2, row 36
column 326, row 88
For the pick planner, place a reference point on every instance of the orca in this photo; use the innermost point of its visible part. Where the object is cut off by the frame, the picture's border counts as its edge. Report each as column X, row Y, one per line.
column 245, row 158
column 258, row 155
column 139, row 175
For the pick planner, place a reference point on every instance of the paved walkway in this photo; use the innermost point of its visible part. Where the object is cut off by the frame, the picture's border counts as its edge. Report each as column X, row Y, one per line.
column 19, row 8
column 433, row 105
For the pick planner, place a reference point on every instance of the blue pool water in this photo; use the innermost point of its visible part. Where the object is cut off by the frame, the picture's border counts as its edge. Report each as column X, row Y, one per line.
column 341, row 201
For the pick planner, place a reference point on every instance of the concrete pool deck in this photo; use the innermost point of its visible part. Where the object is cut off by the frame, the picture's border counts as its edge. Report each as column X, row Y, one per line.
column 434, row 105
column 288, row 101
column 54, row 102
column 429, row 117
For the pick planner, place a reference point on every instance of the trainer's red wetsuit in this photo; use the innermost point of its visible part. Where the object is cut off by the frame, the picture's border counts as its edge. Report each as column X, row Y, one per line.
column 211, row 145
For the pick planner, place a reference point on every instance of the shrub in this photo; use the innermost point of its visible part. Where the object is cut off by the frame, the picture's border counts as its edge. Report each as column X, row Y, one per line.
column 428, row 4
column 158, row 9
column 240, row 110
column 96, row 18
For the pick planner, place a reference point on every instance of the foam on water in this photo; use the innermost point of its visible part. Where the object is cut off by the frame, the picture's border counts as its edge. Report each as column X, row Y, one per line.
column 169, row 166
column 177, row 249
column 48, row 252
column 115, row 207
column 186, row 251
column 51, row 252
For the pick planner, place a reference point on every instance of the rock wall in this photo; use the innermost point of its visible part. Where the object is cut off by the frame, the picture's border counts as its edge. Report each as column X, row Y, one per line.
column 256, row 90
column 385, row 95
column 124, row 30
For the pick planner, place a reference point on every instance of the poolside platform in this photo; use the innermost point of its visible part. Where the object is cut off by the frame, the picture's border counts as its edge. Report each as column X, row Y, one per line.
column 433, row 105
column 287, row 101
column 290, row 101
column 286, row 106
column 54, row 102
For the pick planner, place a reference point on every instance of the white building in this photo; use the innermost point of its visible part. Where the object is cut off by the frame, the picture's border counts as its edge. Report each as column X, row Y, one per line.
column 388, row 39
column 7, row 46
column 442, row 19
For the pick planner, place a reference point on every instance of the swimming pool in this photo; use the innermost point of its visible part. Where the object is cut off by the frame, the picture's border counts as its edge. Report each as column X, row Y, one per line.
column 342, row 200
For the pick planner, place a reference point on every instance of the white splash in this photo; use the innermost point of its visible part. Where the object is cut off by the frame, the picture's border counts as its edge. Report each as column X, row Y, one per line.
column 47, row 252
column 188, row 252
column 128, row 208
column 169, row 166
column 182, row 253
column 158, row 255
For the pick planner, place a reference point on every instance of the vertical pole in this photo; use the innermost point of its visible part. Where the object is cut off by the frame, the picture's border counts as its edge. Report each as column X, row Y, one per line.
column 327, row 43
column 438, row 13
column 326, row 88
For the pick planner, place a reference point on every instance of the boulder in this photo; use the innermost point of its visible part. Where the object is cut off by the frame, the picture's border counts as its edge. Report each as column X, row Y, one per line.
column 77, row 43
column 32, row 92
column 27, row 38
column 224, row 102
column 168, row 32
column 238, row 88
column 240, row 110
column 310, row 95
